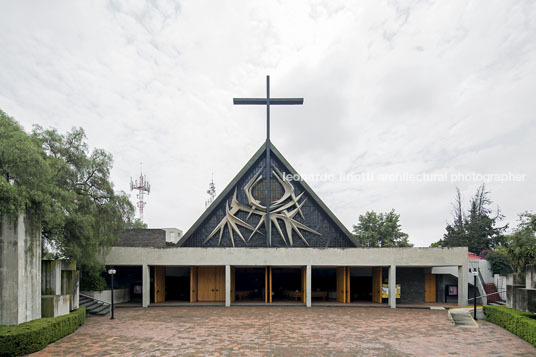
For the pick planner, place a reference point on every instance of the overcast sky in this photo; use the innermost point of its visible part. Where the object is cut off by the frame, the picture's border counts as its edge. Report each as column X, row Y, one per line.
column 391, row 89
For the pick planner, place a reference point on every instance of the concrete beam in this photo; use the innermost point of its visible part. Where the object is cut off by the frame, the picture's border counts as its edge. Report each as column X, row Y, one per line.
column 146, row 285
column 392, row 286
column 227, row 285
column 402, row 257
column 308, row 287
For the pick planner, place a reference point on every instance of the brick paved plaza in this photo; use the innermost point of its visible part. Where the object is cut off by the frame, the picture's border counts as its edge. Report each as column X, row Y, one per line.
column 285, row 331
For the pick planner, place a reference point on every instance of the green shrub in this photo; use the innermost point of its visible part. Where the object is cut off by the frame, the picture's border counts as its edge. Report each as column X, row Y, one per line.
column 34, row 335
column 500, row 264
column 92, row 281
column 522, row 324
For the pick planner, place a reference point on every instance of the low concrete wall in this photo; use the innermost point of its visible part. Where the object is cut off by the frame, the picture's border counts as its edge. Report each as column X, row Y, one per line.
column 120, row 295
column 55, row 305
column 500, row 283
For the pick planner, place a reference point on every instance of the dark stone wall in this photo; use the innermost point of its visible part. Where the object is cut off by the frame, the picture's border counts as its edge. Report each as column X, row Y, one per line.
column 155, row 238
column 411, row 282
column 313, row 217
column 442, row 281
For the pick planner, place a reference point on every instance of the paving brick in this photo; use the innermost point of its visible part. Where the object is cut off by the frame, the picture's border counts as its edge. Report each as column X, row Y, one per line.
column 284, row 331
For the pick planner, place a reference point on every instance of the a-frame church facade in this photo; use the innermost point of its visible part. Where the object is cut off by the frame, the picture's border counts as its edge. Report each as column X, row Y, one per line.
column 309, row 258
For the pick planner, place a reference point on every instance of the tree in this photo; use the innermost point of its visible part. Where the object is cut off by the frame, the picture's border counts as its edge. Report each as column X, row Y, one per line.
column 86, row 215
column 66, row 191
column 499, row 261
column 380, row 230
column 521, row 244
column 477, row 229
column 136, row 224
column 24, row 173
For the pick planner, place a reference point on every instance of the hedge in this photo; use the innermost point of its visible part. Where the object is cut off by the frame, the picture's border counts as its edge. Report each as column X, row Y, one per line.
column 522, row 324
column 34, row 335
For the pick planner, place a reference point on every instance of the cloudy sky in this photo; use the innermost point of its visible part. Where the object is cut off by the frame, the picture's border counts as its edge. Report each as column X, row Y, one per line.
column 405, row 100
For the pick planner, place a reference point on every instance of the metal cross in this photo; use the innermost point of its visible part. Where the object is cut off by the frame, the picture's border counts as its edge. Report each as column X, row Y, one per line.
column 268, row 101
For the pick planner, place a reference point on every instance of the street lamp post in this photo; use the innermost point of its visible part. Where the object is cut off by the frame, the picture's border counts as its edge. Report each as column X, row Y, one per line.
column 112, row 272
column 475, row 274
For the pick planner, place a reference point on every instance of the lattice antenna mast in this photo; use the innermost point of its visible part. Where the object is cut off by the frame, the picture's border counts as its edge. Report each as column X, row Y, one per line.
column 211, row 192
column 143, row 186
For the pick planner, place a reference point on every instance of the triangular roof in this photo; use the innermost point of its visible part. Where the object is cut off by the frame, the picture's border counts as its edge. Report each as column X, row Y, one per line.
column 231, row 187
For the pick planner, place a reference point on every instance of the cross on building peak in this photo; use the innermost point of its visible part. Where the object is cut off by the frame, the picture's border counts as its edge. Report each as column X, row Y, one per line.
column 268, row 101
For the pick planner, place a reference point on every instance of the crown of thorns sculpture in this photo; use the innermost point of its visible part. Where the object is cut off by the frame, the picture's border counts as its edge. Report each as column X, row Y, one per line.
column 283, row 209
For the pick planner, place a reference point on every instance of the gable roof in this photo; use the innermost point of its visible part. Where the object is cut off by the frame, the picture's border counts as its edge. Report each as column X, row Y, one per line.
column 231, row 186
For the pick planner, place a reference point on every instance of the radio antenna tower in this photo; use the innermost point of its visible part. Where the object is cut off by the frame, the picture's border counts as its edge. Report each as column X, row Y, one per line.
column 211, row 192
column 143, row 186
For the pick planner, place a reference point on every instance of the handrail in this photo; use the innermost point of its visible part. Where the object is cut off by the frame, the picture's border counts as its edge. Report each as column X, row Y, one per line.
column 498, row 292
column 93, row 298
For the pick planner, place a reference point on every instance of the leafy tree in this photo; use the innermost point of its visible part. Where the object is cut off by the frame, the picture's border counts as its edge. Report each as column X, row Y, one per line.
column 380, row 230
column 477, row 229
column 499, row 260
column 24, row 173
column 521, row 244
column 86, row 214
column 136, row 224
column 64, row 189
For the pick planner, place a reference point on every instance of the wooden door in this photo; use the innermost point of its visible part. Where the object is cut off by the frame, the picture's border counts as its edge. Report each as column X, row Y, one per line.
column 377, row 285
column 341, row 284
column 205, row 284
column 211, row 283
column 159, row 284
column 303, row 283
column 270, row 294
column 267, row 285
column 233, row 284
column 347, row 285
column 219, row 286
column 429, row 287
column 193, row 284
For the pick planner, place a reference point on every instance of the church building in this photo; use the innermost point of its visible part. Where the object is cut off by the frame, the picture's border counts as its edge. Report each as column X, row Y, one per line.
column 295, row 251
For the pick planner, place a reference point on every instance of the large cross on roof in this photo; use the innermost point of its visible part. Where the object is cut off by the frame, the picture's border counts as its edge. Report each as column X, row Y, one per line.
column 268, row 101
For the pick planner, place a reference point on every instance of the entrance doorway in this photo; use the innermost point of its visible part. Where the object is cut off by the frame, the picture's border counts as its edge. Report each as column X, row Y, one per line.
column 366, row 283
column 178, row 284
column 207, row 283
column 323, row 285
column 288, row 284
column 249, row 284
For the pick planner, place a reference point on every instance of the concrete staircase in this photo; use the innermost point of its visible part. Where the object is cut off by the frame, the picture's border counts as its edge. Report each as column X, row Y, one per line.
column 94, row 306
column 492, row 289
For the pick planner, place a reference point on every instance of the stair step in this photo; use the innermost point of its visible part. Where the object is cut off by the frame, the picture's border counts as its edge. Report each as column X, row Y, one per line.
column 92, row 305
column 103, row 308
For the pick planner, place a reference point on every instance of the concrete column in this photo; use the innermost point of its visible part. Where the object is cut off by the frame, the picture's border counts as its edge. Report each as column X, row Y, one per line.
column 392, row 286
column 462, row 284
column 308, row 286
column 146, row 285
column 20, row 271
column 227, row 285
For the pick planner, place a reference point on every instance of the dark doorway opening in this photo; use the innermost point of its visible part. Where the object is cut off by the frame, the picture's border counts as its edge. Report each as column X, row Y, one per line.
column 249, row 284
column 323, row 284
column 361, row 279
column 361, row 288
column 128, row 279
column 178, row 284
column 287, row 284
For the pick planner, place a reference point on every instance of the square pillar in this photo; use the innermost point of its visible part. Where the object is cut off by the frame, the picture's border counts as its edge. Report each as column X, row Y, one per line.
column 308, row 286
column 463, row 270
column 146, row 285
column 392, row 286
column 227, row 285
